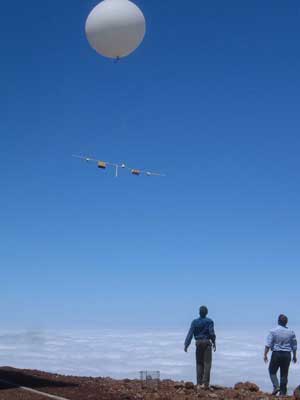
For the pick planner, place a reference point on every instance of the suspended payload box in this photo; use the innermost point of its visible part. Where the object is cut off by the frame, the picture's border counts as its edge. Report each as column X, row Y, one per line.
column 102, row 164
column 136, row 172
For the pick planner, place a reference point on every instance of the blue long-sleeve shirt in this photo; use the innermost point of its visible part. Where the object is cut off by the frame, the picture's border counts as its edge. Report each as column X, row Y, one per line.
column 201, row 329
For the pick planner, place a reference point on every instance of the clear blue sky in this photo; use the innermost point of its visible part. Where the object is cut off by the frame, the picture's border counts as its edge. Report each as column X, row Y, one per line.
column 212, row 99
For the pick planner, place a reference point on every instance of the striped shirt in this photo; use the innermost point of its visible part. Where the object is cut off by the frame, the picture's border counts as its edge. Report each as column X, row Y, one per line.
column 282, row 339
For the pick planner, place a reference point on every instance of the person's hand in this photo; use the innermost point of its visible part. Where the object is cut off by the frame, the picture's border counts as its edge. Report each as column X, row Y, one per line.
column 266, row 358
column 186, row 349
column 215, row 347
column 295, row 359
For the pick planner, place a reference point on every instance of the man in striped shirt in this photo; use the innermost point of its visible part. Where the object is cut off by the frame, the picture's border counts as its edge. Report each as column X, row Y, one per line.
column 282, row 342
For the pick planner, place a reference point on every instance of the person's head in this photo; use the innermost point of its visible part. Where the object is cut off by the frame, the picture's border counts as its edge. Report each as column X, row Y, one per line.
column 203, row 311
column 282, row 320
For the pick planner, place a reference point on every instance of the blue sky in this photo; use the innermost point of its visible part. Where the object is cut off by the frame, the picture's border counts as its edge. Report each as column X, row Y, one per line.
column 211, row 98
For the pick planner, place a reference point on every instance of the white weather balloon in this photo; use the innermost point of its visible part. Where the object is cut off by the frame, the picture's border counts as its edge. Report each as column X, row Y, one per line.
column 115, row 28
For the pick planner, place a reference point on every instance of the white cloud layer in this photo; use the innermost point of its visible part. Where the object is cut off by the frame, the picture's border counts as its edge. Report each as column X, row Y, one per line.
column 124, row 354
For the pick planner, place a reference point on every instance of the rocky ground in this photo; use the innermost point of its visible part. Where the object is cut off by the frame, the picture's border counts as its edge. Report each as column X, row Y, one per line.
column 86, row 388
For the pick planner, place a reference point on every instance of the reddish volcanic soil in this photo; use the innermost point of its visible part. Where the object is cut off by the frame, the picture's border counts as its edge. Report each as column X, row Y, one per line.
column 84, row 388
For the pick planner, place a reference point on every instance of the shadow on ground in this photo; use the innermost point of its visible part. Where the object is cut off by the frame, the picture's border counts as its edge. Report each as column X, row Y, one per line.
column 24, row 378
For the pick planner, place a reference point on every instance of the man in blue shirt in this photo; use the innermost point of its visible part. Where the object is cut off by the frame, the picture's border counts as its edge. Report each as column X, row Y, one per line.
column 282, row 342
column 202, row 329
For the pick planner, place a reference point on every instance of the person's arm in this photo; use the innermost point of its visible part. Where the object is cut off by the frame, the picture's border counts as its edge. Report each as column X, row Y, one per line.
column 269, row 345
column 295, row 356
column 189, row 337
column 294, row 347
column 212, row 335
column 267, row 349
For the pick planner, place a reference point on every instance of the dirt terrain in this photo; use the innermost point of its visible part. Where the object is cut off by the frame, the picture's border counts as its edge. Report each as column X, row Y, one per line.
column 86, row 388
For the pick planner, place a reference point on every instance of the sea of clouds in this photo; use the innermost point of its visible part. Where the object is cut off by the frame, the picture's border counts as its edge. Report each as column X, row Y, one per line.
column 123, row 354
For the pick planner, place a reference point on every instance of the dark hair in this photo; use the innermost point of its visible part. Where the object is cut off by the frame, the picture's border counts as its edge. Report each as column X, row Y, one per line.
column 282, row 320
column 203, row 311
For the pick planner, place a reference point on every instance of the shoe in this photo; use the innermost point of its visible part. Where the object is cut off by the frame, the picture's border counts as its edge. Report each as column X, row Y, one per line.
column 275, row 391
column 203, row 386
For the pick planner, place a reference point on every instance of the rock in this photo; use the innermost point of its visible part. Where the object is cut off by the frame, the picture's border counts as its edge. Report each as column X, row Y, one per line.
column 247, row 386
column 297, row 393
column 179, row 385
column 126, row 396
column 218, row 387
column 189, row 385
column 108, row 389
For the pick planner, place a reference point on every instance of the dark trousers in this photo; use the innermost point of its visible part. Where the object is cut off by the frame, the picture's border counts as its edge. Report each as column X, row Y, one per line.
column 203, row 361
column 280, row 360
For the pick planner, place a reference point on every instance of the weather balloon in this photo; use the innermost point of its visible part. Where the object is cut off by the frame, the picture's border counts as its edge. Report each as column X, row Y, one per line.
column 115, row 28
